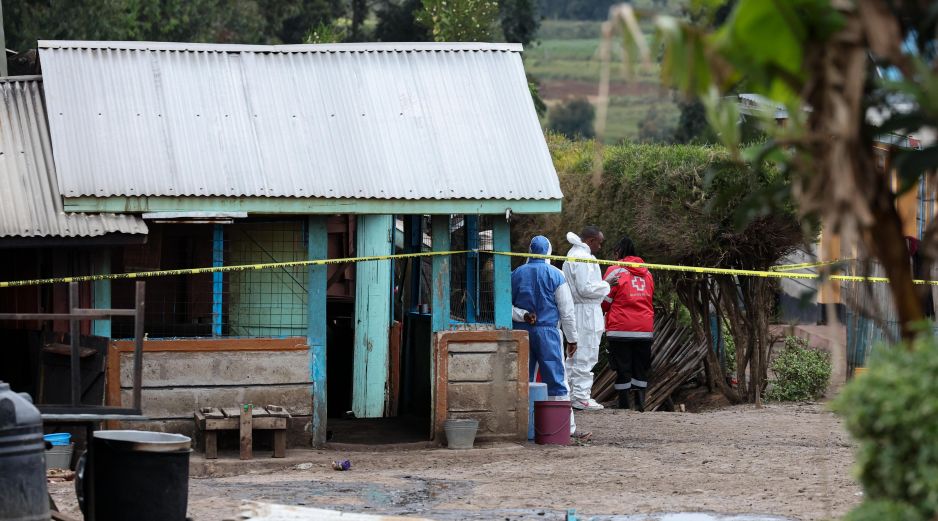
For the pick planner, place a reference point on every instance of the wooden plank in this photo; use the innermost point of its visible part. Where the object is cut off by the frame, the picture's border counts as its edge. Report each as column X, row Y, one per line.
column 317, row 289
column 74, row 337
column 264, row 423
column 247, row 431
column 439, row 397
column 372, row 317
column 222, row 424
column 180, row 402
column 211, row 444
column 85, row 315
column 280, row 443
column 521, row 368
column 216, row 344
column 231, row 412
column 212, row 412
column 112, row 387
column 276, row 410
column 66, row 350
column 139, row 307
column 169, row 369
column 394, row 369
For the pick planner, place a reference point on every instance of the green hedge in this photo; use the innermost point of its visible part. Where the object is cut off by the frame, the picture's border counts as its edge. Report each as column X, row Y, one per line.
column 678, row 203
column 892, row 412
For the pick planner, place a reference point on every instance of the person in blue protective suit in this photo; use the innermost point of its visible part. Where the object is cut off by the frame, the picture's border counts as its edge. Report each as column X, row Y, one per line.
column 541, row 300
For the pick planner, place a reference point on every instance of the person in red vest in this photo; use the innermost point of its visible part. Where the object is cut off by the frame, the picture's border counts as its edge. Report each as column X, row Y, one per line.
column 630, row 317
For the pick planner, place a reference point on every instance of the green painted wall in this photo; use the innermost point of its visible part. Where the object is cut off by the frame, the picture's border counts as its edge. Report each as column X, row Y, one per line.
column 266, row 303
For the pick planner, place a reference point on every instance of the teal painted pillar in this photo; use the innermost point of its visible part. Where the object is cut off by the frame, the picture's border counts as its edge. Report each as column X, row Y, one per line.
column 501, row 241
column 101, row 291
column 218, row 278
column 372, row 317
column 440, row 278
column 317, row 236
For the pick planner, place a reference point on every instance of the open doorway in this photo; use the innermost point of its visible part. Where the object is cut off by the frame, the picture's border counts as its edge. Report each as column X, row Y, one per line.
column 406, row 414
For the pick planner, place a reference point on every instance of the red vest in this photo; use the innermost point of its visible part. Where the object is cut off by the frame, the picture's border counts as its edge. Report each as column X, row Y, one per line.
column 629, row 306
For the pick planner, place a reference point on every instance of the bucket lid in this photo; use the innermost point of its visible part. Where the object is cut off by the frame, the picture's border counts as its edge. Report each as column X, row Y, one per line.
column 145, row 441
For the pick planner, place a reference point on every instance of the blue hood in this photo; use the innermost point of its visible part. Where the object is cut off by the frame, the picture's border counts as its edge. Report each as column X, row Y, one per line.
column 540, row 245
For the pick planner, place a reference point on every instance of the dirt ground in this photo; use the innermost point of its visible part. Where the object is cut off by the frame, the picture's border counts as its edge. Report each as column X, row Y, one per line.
column 791, row 461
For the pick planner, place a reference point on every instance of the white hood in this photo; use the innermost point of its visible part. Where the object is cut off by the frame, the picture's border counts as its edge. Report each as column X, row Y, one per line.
column 576, row 242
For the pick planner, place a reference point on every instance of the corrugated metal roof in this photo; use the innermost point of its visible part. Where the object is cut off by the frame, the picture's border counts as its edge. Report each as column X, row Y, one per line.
column 30, row 204
column 384, row 121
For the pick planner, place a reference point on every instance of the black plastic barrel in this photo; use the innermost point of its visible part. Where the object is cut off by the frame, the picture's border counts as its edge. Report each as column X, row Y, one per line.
column 23, row 493
column 137, row 475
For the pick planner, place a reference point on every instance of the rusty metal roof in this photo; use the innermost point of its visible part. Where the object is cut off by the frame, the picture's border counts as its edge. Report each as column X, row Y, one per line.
column 30, row 204
column 379, row 121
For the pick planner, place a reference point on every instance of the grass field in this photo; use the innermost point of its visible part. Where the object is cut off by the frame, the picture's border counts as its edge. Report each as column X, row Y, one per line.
column 566, row 64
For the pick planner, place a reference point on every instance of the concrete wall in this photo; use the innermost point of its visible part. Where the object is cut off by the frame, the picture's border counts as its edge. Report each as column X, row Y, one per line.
column 181, row 376
column 483, row 375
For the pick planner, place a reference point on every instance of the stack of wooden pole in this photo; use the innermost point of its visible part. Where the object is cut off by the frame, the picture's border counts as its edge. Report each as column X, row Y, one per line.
column 675, row 357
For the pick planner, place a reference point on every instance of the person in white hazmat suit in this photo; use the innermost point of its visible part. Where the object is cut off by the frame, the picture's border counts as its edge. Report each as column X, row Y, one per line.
column 588, row 290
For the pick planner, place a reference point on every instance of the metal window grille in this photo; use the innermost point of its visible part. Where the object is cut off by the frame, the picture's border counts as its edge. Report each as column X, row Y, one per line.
column 471, row 274
column 251, row 303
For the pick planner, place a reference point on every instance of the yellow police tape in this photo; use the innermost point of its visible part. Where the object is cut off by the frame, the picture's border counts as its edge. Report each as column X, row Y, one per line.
column 320, row 262
column 713, row 271
column 220, row 269
column 804, row 265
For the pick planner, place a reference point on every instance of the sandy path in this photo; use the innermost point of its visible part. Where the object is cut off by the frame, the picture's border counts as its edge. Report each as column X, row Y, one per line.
column 786, row 460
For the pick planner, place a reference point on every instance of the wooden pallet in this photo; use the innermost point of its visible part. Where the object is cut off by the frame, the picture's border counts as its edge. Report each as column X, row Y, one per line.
column 245, row 419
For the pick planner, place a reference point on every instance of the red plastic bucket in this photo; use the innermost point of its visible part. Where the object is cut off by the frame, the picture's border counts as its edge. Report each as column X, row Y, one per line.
column 552, row 422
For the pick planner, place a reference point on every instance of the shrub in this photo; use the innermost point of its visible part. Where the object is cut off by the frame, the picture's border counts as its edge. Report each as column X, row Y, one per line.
column 884, row 511
column 729, row 348
column 572, row 118
column 892, row 413
column 801, row 373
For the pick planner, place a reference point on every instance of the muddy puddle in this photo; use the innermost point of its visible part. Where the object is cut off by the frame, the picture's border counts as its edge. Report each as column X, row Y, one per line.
column 419, row 497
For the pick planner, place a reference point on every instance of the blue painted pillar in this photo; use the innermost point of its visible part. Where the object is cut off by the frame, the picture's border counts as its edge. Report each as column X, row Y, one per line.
column 472, row 267
column 440, row 277
column 101, row 291
column 317, row 248
column 218, row 278
column 372, row 316
column 501, row 241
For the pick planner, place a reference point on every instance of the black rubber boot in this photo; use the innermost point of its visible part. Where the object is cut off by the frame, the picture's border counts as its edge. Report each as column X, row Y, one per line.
column 624, row 399
column 639, row 398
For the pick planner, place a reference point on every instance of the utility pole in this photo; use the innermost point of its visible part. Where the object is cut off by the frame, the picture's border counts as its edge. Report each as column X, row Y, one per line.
column 3, row 44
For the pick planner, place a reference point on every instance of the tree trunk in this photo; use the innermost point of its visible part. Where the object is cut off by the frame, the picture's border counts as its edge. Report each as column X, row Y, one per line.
column 696, row 297
column 359, row 12
column 884, row 238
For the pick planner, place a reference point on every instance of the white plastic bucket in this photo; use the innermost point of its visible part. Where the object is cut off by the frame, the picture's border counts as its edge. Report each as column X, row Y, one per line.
column 59, row 457
column 460, row 434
